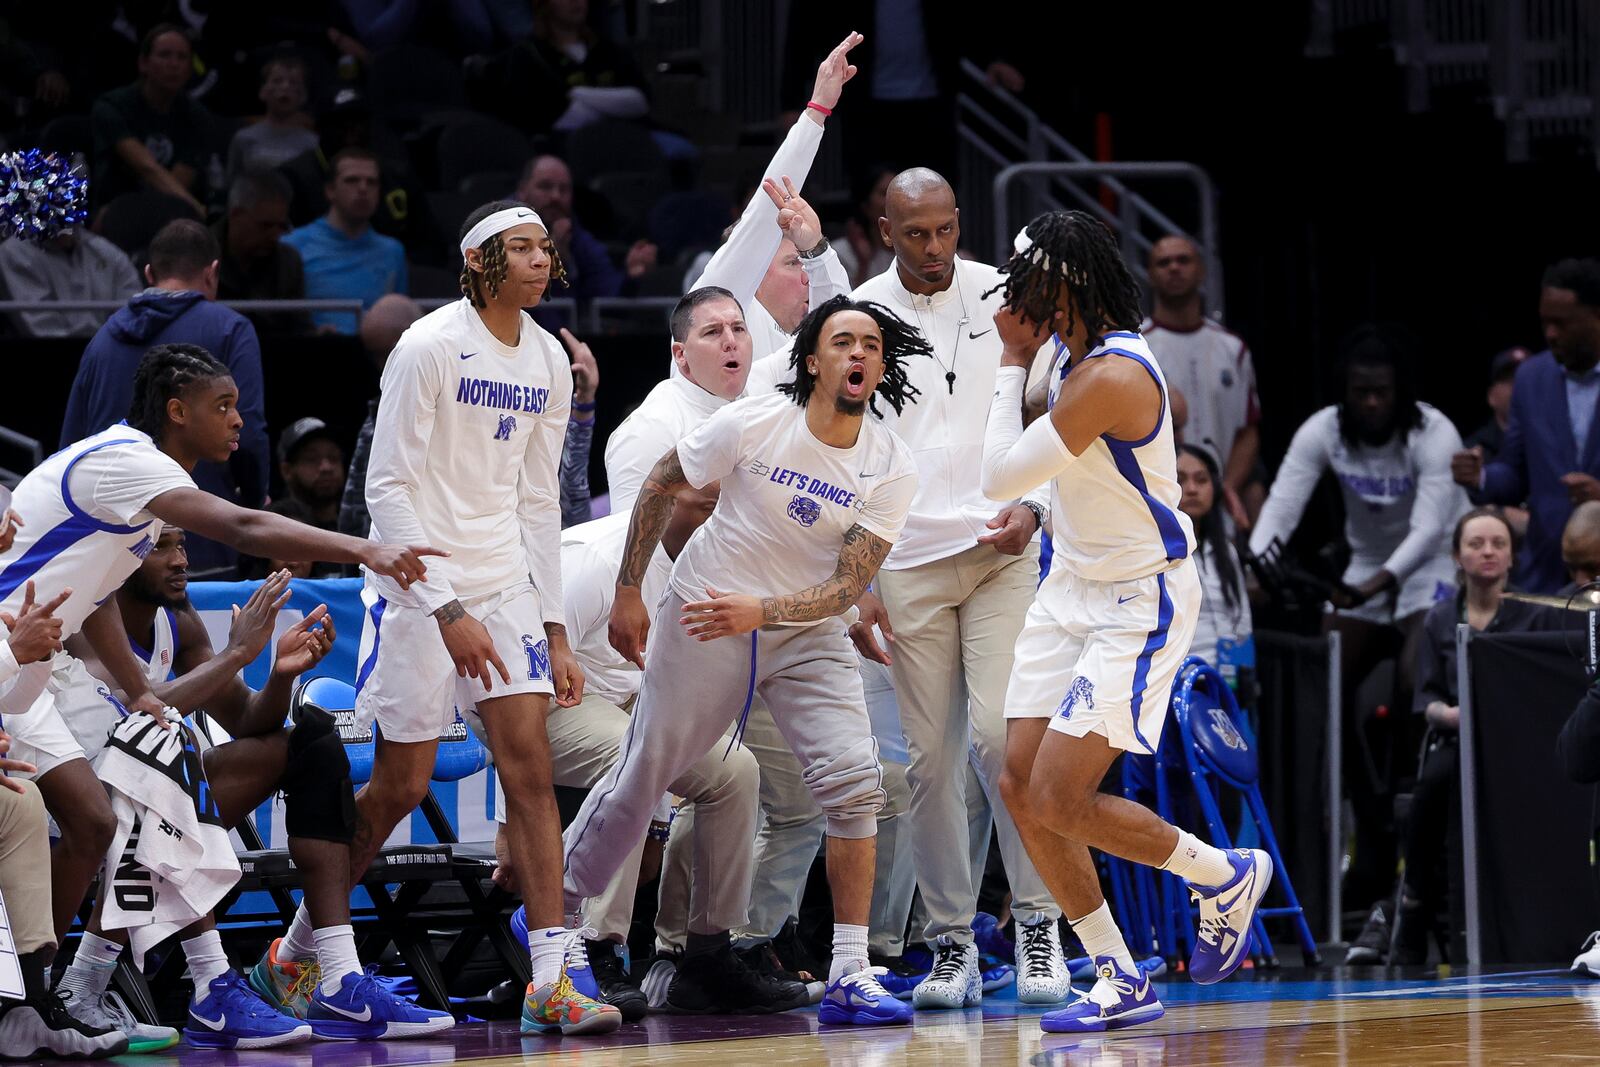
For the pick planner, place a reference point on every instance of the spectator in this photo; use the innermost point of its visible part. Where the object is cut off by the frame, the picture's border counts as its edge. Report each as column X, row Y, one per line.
column 1580, row 547
column 1502, row 372
column 256, row 263
column 285, row 131
column 344, row 258
column 149, row 135
column 311, row 463
column 546, row 186
column 1213, row 368
column 179, row 308
column 1551, row 462
column 563, row 77
column 1482, row 547
column 1391, row 456
column 75, row 265
column 1223, row 636
column 865, row 251
column 381, row 328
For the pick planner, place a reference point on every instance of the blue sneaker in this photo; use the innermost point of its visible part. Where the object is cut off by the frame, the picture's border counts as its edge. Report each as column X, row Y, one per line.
column 1225, row 915
column 994, row 974
column 232, row 1015
column 1081, row 968
column 991, row 941
column 362, row 1010
column 1117, row 999
column 859, row 999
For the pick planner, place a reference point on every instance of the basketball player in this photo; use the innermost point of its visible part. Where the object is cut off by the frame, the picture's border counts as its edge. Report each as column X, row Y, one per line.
column 811, row 491
column 466, row 447
column 1112, row 621
column 94, row 510
column 259, row 758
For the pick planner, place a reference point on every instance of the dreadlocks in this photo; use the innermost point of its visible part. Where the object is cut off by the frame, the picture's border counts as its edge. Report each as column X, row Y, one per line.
column 481, row 287
column 1071, row 250
column 165, row 372
column 899, row 343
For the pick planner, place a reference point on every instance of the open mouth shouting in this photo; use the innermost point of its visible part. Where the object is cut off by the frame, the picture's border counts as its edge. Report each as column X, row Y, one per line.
column 855, row 383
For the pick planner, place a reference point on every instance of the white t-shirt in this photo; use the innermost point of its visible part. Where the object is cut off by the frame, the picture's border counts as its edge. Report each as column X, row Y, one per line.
column 1213, row 370
column 465, row 457
column 1216, row 618
column 787, row 499
column 591, row 554
column 673, row 408
column 87, row 524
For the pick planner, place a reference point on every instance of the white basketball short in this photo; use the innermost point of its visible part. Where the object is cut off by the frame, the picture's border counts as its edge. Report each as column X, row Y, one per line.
column 1100, row 657
column 406, row 681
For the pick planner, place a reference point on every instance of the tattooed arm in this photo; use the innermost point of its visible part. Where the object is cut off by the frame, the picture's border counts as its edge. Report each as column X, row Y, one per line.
column 729, row 614
column 630, row 620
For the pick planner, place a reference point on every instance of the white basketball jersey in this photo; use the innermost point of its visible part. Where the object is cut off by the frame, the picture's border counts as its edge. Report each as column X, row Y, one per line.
column 1114, row 510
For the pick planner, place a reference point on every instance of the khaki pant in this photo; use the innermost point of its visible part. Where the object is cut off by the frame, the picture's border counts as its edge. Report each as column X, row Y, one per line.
column 956, row 622
column 25, row 868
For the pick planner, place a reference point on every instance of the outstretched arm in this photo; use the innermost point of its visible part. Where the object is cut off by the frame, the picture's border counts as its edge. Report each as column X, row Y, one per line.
column 630, row 621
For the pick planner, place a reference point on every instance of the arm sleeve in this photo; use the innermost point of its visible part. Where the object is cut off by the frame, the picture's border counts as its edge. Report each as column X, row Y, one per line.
column 8, row 663
column 1016, row 461
column 1297, row 477
column 250, row 465
column 742, row 261
column 1439, row 500
column 825, row 276
column 712, row 449
column 539, row 498
column 575, row 472
column 400, row 435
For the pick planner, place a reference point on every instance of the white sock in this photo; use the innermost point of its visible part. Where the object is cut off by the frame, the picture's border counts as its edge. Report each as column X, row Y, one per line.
column 547, row 951
column 1100, row 936
column 1198, row 863
column 849, row 950
column 299, row 943
column 91, row 968
column 206, row 961
column 336, row 954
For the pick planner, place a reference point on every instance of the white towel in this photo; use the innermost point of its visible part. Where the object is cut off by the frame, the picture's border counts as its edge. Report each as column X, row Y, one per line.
column 170, row 861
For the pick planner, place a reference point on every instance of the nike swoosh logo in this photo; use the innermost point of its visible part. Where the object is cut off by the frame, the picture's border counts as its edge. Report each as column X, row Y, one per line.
column 365, row 1016
column 864, row 474
column 1125, row 599
column 1243, row 889
column 556, row 933
column 468, row 355
column 974, row 336
column 209, row 1024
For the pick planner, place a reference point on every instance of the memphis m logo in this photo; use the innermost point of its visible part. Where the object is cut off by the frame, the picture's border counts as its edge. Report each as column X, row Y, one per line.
column 508, row 426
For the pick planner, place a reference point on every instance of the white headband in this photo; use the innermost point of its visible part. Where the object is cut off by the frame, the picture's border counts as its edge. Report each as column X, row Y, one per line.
column 499, row 222
column 1023, row 246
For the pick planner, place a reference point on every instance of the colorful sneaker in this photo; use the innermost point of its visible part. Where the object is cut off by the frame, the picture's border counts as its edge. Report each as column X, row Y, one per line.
column 1225, row 914
column 362, row 1010
column 1042, row 976
column 991, row 939
column 232, row 1015
column 557, row 1007
column 41, row 1026
column 288, row 985
column 994, row 975
column 953, row 981
column 900, row 976
column 859, row 999
column 1117, row 999
column 109, row 1011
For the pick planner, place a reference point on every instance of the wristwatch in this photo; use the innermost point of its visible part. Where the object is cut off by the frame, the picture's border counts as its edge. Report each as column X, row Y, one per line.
column 816, row 250
column 1037, row 509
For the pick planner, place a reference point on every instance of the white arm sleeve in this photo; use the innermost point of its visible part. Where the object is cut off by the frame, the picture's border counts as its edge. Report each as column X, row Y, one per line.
column 1438, row 503
column 1016, row 461
column 539, row 495
column 411, row 384
column 826, row 277
column 1297, row 477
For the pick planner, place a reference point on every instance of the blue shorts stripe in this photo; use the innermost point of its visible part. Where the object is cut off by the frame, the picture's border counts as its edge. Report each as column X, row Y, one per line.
column 375, row 613
column 1152, row 644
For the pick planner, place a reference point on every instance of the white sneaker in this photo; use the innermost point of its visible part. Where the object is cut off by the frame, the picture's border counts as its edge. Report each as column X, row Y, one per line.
column 110, row 1012
column 1042, row 976
column 657, row 980
column 1588, row 961
column 953, row 982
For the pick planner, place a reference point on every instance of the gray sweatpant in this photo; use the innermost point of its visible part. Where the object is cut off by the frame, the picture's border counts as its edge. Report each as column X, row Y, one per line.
column 692, row 692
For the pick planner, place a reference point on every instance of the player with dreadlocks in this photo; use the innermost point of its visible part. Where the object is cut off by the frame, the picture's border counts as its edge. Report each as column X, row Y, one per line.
column 1113, row 620
column 813, row 493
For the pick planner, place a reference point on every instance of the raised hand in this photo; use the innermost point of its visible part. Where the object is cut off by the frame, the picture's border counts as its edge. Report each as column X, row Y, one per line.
column 303, row 645
column 252, row 624
column 796, row 218
column 585, row 370
column 35, row 631
column 834, row 71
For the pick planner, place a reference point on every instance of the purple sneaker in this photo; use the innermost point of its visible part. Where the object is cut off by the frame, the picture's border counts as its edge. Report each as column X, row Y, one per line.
column 1225, row 915
column 1116, row 999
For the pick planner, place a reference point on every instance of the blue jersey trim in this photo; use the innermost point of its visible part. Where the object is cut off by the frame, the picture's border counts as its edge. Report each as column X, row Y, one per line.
column 72, row 505
column 1172, row 539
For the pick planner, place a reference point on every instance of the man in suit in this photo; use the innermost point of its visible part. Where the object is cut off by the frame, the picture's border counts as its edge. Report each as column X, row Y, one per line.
column 1550, row 461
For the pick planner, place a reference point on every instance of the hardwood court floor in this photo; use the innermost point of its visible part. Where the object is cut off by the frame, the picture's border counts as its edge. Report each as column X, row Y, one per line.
column 1525, row 1017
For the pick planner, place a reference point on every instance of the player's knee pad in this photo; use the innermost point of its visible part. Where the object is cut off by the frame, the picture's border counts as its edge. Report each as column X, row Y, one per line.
column 318, row 801
column 848, row 787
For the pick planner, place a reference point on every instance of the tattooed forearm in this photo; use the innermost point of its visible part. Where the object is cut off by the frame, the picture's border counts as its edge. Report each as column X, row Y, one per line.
column 651, row 513
column 450, row 612
column 859, row 561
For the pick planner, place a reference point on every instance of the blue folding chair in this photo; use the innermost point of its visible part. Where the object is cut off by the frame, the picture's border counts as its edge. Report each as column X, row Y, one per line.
column 1219, row 751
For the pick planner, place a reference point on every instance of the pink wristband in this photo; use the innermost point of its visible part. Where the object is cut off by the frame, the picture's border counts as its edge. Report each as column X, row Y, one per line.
column 818, row 107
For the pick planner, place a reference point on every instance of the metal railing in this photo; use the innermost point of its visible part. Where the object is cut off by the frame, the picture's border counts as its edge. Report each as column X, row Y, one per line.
column 998, row 132
column 1015, row 202
column 33, row 448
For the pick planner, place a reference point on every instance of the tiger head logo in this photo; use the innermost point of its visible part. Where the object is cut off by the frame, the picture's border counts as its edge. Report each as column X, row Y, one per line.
column 804, row 510
column 1080, row 692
